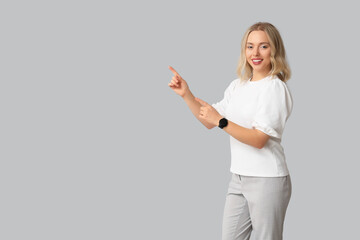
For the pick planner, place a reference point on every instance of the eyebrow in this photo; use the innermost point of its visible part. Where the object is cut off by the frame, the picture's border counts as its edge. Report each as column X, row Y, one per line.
column 260, row 43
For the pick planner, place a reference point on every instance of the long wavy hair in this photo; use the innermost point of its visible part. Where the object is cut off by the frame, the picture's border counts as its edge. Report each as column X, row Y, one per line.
column 278, row 59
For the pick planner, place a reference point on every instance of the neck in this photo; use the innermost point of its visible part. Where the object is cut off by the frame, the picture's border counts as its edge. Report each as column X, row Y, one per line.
column 259, row 75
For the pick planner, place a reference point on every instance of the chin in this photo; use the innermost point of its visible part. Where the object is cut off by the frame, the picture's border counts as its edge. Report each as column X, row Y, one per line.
column 258, row 68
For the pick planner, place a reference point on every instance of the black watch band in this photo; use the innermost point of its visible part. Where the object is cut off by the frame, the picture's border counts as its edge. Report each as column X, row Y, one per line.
column 223, row 123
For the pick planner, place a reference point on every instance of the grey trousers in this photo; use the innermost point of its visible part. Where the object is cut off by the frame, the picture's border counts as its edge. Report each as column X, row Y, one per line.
column 255, row 207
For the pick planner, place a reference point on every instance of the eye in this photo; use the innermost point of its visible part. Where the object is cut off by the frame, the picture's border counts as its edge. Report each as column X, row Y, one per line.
column 249, row 47
column 264, row 46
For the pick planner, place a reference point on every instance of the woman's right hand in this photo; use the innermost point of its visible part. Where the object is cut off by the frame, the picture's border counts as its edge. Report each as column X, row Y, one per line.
column 178, row 84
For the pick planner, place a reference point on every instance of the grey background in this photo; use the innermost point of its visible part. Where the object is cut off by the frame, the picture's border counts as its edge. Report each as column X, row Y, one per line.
column 95, row 145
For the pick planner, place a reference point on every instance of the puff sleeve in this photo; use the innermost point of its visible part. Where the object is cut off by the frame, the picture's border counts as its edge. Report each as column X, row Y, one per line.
column 275, row 105
column 222, row 105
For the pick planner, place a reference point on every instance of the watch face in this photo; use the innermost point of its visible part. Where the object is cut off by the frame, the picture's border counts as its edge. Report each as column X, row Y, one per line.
column 223, row 122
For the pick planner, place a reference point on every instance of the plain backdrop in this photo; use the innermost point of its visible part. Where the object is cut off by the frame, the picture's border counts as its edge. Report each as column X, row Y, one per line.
column 95, row 145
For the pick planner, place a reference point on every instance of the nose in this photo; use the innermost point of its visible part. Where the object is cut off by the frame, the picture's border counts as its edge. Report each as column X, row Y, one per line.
column 256, row 52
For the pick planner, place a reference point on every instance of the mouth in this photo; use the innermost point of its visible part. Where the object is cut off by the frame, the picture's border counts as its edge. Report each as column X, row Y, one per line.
column 257, row 61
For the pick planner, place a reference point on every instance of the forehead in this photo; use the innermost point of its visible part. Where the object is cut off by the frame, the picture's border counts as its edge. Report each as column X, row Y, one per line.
column 256, row 37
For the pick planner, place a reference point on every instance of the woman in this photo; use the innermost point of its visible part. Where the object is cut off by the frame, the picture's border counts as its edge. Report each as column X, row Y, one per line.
column 253, row 112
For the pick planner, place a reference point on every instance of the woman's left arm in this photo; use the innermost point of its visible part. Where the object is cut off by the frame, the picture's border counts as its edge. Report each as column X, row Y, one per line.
column 252, row 137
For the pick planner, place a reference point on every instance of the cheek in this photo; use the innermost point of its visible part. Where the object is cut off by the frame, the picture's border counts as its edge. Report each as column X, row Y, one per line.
column 268, row 54
column 266, row 57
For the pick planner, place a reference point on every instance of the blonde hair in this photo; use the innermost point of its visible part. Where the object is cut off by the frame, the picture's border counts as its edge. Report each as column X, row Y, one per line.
column 279, row 64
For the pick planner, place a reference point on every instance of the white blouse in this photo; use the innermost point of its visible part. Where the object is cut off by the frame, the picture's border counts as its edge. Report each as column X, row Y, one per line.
column 266, row 105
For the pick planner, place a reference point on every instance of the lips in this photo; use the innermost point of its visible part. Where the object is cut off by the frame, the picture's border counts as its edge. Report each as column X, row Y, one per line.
column 257, row 61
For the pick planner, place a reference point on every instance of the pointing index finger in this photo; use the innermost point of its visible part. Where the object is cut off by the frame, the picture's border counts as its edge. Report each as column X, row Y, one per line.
column 173, row 70
column 201, row 101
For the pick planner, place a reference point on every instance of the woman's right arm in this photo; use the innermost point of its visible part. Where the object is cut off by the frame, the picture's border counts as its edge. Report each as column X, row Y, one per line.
column 180, row 87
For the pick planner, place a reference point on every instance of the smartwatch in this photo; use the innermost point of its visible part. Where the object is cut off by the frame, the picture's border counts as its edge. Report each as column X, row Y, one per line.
column 223, row 123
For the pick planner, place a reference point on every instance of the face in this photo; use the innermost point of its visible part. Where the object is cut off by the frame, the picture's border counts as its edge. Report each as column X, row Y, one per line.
column 258, row 52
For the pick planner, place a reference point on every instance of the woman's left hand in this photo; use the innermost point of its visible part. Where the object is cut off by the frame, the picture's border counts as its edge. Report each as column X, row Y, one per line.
column 208, row 112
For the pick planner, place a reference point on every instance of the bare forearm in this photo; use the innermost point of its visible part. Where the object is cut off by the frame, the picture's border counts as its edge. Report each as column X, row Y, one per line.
column 244, row 135
column 195, row 108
